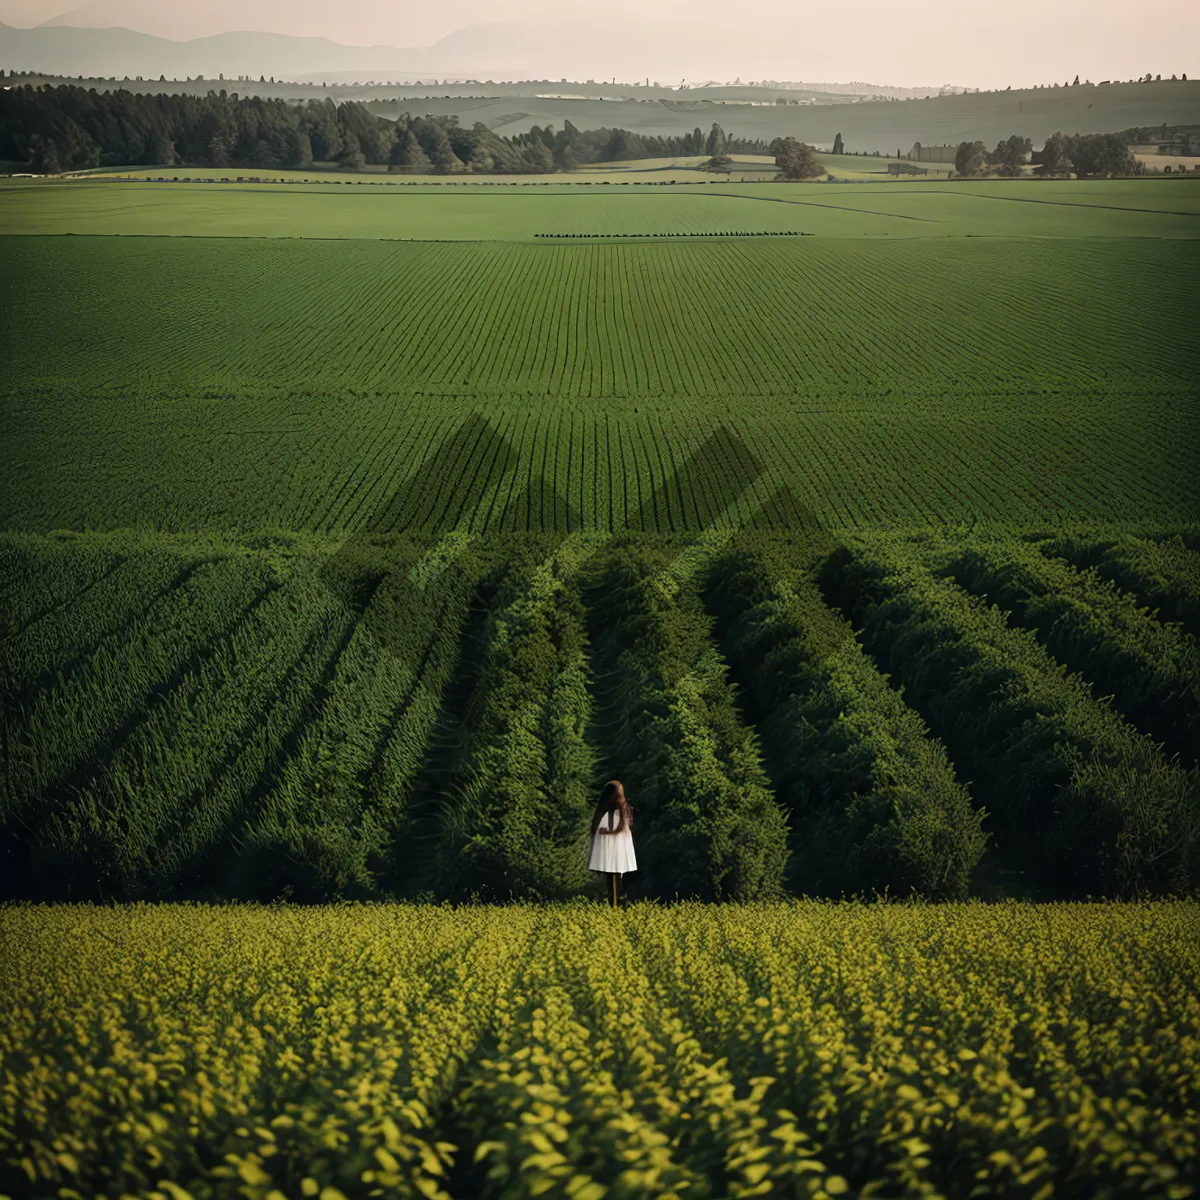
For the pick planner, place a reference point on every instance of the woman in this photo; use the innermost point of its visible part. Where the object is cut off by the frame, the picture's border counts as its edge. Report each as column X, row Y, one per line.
column 612, row 835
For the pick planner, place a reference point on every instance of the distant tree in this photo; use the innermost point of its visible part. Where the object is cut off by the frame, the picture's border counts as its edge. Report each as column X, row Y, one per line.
column 716, row 143
column 1102, row 154
column 794, row 159
column 1009, row 155
column 970, row 158
column 622, row 146
column 162, row 151
column 350, row 155
column 719, row 163
column 537, row 159
column 445, row 161
column 297, row 148
column 838, row 145
column 44, row 156
column 1056, row 157
column 1076, row 83
column 218, row 151
column 320, row 117
column 407, row 157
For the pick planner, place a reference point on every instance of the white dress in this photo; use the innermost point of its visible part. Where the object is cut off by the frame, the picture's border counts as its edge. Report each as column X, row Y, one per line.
column 612, row 852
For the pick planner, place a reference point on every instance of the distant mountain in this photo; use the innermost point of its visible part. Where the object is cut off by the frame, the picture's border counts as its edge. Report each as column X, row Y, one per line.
column 28, row 12
column 63, row 50
column 571, row 47
column 359, row 22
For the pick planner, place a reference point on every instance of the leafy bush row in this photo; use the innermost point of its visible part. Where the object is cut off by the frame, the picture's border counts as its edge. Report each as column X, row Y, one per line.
column 81, row 721
column 1077, row 794
column 65, row 633
column 516, row 822
column 175, row 786
column 1151, row 669
column 39, row 574
column 873, row 796
column 1165, row 575
column 710, row 826
column 334, row 819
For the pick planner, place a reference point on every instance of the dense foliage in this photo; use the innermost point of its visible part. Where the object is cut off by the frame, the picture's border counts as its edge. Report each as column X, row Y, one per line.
column 872, row 795
column 713, row 828
column 795, row 160
column 800, row 1050
column 1079, row 795
column 1090, row 155
column 571, row 147
column 405, row 714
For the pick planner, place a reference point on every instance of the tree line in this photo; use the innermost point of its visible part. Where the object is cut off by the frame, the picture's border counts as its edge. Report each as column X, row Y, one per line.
column 1088, row 154
column 68, row 128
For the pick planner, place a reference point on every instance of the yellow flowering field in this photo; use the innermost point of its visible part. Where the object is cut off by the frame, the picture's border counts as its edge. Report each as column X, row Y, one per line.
column 797, row 1049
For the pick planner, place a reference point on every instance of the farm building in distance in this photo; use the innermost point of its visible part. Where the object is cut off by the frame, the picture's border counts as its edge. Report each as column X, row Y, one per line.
column 932, row 154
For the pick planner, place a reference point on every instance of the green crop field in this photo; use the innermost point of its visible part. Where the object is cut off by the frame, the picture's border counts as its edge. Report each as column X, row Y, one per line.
column 220, row 383
column 338, row 505
column 351, row 535
column 381, row 208
column 806, row 1050
column 405, row 714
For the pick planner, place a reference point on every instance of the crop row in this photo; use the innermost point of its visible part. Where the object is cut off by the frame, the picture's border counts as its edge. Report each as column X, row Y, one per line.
column 872, row 794
column 1151, row 668
column 387, row 464
column 408, row 716
column 702, row 234
column 727, row 317
column 1077, row 794
column 798, row 1049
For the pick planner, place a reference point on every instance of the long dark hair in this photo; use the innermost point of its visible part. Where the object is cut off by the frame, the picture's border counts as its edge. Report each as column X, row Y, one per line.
column 612, row 797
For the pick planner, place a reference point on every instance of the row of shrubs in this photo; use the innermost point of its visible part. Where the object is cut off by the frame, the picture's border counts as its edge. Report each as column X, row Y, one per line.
column 725, row 233
column 873, row 798
column 1078, row 796
column 710, row 826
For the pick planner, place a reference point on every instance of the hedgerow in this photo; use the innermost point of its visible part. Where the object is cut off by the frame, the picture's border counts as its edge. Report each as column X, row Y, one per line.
column 874, row 799
column 711, row 826
column 1078, row 796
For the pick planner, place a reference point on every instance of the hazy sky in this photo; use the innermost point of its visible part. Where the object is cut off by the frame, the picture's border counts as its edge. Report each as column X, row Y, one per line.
column 911, row 42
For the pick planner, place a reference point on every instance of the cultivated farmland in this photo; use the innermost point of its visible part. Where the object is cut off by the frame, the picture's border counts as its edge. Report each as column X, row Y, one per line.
column 318, row 550
column 466, row 208
column 392, row 715
column 348, row 568
column 804, row 1050
column 336, row 386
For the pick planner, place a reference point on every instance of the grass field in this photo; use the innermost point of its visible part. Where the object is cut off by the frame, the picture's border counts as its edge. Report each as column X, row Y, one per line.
column 807, row 1050
column 1158, row 208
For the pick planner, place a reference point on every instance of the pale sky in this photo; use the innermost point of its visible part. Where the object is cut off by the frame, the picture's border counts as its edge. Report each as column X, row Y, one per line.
column 906, row 42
